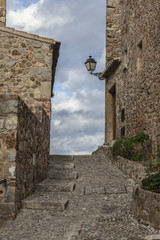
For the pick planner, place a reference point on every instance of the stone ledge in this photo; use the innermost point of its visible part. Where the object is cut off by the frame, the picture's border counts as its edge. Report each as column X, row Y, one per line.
column 133, row 170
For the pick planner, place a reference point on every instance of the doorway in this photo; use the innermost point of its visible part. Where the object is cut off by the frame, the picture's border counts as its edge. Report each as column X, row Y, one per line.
column 111, row 115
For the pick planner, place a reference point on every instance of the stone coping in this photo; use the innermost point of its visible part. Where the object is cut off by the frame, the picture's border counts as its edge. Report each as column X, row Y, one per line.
column 28, row 35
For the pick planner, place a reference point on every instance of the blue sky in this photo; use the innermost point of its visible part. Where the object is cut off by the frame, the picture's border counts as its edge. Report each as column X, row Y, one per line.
column 77, row 125
column 26, row 3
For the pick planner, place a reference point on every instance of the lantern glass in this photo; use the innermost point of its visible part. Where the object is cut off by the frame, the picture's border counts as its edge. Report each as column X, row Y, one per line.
column 90, row 64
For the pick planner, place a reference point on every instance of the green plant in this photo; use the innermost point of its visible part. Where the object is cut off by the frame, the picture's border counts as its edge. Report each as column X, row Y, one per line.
column 130, row 147
column 140, row 138
column 152, row 183
column 158, row 153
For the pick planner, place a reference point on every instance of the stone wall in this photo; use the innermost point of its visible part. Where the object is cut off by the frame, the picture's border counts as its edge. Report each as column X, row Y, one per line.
column 33, row 138
column 3, row 13
column 8, row 144
column 24, row 152
column 133, row 170
column 146, row 206
column 113, row 37
column 136, row 81
column 141, row 40
column 27, row 64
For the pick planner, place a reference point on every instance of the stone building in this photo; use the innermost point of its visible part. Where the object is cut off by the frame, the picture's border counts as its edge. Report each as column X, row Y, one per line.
column 27, row 71
column 132, row 69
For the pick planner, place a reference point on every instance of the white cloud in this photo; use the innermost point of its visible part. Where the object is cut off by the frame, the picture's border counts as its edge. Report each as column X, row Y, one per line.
column 77, row 124
column 34, row 18
column 25, row 18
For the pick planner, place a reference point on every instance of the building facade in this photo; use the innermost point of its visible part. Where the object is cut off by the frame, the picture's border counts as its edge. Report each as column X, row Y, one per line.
column 27, row 70
column 133, row 69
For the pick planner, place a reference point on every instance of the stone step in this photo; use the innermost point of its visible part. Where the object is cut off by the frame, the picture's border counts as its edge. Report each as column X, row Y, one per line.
column 61, row 165
column 62, row 175
column 51, row 185
column 61, row 158
column 45, row 201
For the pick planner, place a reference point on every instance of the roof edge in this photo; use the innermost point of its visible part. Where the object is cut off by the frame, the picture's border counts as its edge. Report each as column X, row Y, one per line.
column 28, row 35
column 111, row 68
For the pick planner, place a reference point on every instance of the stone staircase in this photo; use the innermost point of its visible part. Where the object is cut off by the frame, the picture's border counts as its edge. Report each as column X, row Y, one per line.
column 53, row 192
column 98, row 209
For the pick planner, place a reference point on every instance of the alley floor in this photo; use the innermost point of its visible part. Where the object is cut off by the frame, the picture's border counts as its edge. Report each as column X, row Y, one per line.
column 98, row 209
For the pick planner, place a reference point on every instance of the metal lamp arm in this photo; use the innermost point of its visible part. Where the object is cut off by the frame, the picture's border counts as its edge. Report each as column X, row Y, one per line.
column 97, row 75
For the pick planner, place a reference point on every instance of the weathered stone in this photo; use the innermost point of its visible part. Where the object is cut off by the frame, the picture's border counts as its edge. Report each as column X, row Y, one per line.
column 11, row 123
column 10, row 140
column 149, row 214
column 38, row 64
column 12, row 156
column 46, row 89
column 24, row 126
column 99, row 215
column 8, row 107
column 132, row 85
column 15, row 53
column 2, row 156
column 12, row 170
column 1, row 123
column 1, row 55
column 10, row 196
column 35, row 65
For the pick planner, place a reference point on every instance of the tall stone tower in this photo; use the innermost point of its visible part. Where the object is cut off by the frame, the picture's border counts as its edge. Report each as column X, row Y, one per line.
column 113, row 37
column 2, row 13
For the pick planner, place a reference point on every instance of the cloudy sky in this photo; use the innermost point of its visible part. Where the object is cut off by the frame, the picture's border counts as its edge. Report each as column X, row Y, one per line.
column 77, row 125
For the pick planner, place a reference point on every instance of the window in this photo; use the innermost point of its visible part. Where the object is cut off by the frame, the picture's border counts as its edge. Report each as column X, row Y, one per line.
column 122, row 115
column 123, row 131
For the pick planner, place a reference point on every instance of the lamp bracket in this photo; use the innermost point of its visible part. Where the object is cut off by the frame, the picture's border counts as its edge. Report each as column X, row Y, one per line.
column 97, row 75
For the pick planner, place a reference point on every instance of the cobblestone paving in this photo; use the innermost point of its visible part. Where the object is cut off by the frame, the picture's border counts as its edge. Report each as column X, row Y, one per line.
column 99, row 209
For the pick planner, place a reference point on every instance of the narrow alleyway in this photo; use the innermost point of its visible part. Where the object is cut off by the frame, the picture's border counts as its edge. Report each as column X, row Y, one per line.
column 84, row 197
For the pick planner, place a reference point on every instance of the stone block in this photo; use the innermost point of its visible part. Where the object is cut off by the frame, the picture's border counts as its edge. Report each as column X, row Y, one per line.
column 10, row 195
column 44, row 73
column 11, row 123
column 37, row 93
column 2, row 156
column 10, row 63
column 12, row 156
column 3, row 3
column 10, row 140
column 46, row 89
column 10, row 171
column 7, row 210
column 1, row 123
column 2, row 170
column 10, row 106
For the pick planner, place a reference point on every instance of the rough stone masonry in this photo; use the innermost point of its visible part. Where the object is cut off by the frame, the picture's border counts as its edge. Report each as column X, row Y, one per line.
column 132, row 69
column 27, row 70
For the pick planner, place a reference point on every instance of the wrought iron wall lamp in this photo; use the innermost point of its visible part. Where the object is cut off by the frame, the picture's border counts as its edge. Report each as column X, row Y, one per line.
column 91, row 66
